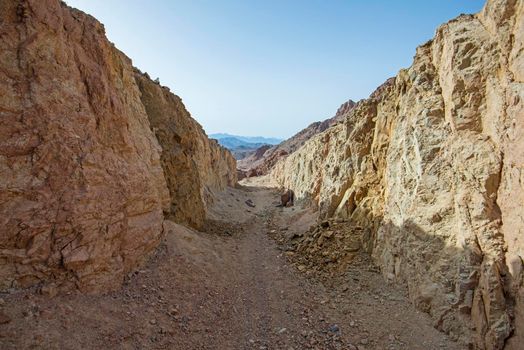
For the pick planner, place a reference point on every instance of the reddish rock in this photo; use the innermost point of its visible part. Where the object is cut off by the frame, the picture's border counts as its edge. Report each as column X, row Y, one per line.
column 82, row 185
column 81, row 190
column 287, row 199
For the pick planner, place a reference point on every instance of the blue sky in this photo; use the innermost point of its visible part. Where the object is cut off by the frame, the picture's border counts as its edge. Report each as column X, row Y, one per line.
column 270, row 67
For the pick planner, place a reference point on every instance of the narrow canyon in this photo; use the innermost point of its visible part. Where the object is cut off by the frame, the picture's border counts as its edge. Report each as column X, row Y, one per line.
column 124, row 226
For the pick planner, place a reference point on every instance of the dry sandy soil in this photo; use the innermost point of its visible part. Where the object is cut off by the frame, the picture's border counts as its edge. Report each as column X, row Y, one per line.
column 231, row 287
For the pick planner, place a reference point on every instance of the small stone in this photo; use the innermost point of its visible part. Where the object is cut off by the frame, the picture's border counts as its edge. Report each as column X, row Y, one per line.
column 46, row 314
column 2, row 302
column 334, row 328
column 364, row 341
column 153, row 321
column 4, row 318
column 282, row 330
column 49, row 290
column 328, row 234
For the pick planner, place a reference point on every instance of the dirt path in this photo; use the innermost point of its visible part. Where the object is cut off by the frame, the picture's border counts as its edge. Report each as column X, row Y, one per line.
column 233, row 288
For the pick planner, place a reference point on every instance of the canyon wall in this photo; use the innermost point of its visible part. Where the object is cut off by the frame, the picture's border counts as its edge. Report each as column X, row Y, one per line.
column 432, row 164
column 83, row 188
column 194, row 166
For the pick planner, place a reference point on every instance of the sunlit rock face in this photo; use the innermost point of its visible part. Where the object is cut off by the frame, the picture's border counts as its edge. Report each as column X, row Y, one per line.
column 432, row 165
column 83, row 188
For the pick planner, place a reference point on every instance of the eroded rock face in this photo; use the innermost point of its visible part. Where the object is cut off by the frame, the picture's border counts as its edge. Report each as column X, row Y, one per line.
column 432, row 162
column 82, row 185
column 194, row 166
column 81, row 190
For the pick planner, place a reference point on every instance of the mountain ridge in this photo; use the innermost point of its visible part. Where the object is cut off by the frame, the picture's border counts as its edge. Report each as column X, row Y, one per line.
column 260, row 162
column 247, row 139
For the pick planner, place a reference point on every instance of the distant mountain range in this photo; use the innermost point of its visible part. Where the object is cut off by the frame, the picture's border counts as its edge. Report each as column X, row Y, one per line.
column 233, row 143
column 247, row 139
column 242, row 146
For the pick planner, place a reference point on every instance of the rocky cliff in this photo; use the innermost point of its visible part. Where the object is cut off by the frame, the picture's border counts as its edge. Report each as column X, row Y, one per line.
column 194, row 165
column 432, row 166
column 263, row 159
column 82, row 174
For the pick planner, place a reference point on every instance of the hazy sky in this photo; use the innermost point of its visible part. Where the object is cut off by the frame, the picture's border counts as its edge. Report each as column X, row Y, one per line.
column 270, row 67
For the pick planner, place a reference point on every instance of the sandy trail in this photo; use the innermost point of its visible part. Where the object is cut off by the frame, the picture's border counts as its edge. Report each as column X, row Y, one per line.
column 229, row 288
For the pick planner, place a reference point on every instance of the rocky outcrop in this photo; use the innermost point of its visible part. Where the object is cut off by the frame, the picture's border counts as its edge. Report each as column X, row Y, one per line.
column 432, row 165
column 194, row 165
column 263, row 159
column 81, row 190
column 82, row 175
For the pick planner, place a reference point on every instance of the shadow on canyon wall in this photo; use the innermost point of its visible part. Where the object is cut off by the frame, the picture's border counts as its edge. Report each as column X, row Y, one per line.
column 468, row 294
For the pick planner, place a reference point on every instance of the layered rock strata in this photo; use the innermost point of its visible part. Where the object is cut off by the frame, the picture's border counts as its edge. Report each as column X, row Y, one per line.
column 82, row 175
column 432, row 162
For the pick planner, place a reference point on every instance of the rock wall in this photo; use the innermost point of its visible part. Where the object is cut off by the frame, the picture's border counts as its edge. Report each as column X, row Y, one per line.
column 194, row 165
column 432, row 163
column 82, row 188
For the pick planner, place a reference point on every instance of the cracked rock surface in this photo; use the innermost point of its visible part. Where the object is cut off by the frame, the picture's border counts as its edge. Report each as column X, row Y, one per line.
column 84, row 180
column 432, row 163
